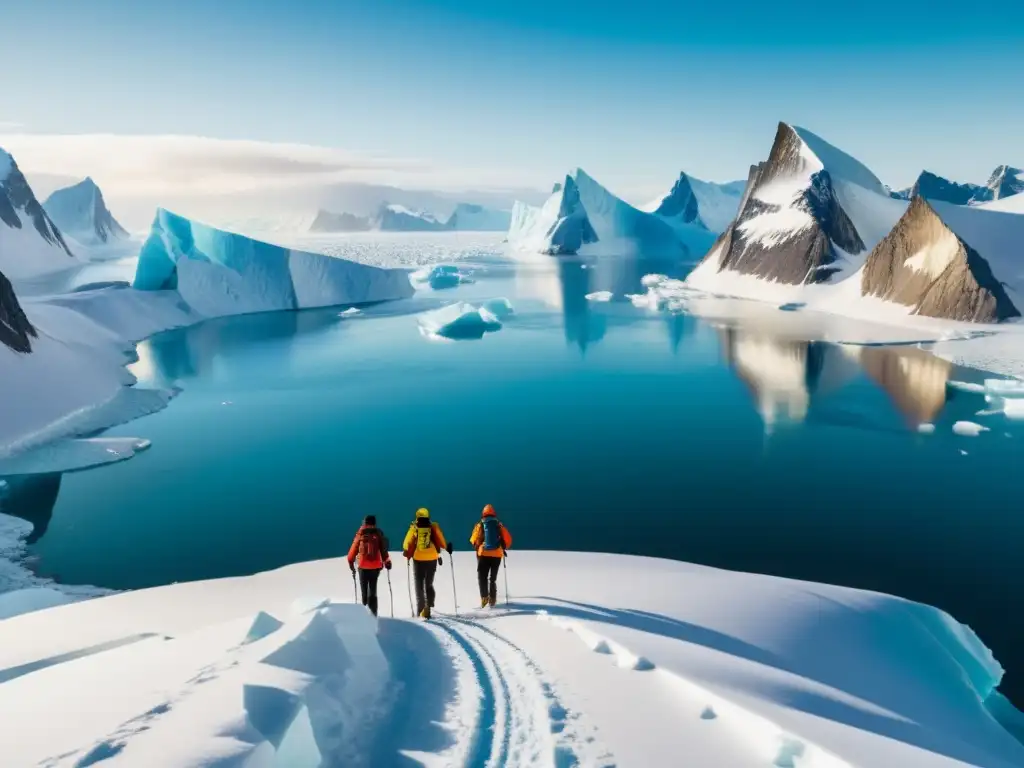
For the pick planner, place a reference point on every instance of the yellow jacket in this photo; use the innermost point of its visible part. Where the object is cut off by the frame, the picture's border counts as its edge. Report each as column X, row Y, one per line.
column 427, row 547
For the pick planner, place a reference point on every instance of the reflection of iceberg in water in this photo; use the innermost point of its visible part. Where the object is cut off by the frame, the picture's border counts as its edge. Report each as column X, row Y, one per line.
column 914, row 380
column 583, row 326
column 680, row 327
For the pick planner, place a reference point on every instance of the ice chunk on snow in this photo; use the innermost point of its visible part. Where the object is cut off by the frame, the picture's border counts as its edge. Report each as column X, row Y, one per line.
column 459, row 321
column 71, row 455
column 969, row 428
column 440, row 277
column 222, row 273
column 599, row 296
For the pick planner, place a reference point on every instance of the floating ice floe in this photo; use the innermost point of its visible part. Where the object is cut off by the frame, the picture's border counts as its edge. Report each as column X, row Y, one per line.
column 926, row 429
column 1005, row 387
column 599, row 296
column 350, row 311
column 465, row 321
column 440, row 277
column 72, row 455
column 969, row 429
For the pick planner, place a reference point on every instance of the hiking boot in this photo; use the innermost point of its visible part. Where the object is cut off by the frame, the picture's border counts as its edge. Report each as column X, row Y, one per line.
column 492, row 601
column 425, row 613
column 484, row 602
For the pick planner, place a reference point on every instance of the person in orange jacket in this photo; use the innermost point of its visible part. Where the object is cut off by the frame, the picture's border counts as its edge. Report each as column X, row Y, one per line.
column 370, row 548
column 491, row 539
column 423, row 545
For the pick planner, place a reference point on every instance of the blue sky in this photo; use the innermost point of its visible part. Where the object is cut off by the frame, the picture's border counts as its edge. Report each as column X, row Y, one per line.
column 633, row 91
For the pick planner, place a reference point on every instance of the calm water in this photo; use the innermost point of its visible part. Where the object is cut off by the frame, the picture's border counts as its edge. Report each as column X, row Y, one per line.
column 589, row 426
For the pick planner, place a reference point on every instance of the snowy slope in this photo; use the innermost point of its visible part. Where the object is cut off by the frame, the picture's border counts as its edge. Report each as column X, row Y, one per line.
column 398, row 218
column 691, row 200
column 1006, row 181
column 1012, row 204
column 30, row 243
column 558, row 228
column 712, row 668
column 478, row 218
column 220, row 273
column 81, row 212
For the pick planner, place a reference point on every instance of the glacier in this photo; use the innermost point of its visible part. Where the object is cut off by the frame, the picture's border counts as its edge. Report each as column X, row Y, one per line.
column 222, row 273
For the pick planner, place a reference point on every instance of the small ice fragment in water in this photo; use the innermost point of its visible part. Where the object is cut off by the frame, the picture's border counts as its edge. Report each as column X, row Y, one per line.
column 459, row 321
column 926, row 429
column 965, row 386
column 350, row 311
column 440, row 276
column 963, row 452
column 968, row 428
column 1005, row 387
column 599, row 296
column 1013, row 408
column 500, row 307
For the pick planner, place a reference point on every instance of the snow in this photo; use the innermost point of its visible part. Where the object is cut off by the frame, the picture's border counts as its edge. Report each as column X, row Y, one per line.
column 599, row 296
column 71, row 455
column 24, row 253
column 1011, row 204
column 462, row 320
column 467, row 216
column 222, row 273
column 838, row 163
column 22, row 601
column 81, row 212
column 711, row 668
column 561, row 226
column 934, row 258
column 6, row 164
column 1004, row 387
column 968, row 428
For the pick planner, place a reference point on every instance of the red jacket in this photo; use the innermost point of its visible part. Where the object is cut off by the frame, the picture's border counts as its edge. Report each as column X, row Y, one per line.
column 382, row 555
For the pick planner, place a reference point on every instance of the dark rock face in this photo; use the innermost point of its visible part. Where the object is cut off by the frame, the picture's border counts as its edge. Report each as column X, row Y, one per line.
column 923, row 264
column 326, row 221
column 1006, row 181
column 17, row 202
column 932, row 187
column 15, row 329
column 680, row 203
column 804, row 255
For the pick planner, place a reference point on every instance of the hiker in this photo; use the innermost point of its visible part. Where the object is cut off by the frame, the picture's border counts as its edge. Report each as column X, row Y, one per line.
column 423, row 544
column 370, row 548
column 491, row 539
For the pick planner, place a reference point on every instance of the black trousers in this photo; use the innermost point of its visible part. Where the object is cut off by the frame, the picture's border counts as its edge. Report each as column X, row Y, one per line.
column 487, row 575
column 368, row 586
column 423, row 572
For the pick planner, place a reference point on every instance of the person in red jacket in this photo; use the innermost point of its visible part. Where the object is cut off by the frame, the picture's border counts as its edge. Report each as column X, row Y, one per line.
column 370, row 549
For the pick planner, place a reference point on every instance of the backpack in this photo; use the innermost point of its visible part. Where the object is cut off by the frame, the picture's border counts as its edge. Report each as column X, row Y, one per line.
column 369, row 545
column 492, row 533
column 424, row 534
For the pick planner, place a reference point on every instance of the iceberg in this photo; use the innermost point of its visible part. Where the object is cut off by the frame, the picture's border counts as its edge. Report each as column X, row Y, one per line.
column 223, row 273
column 462, row 320
column 440, row 277
column 561, row 227
column 80, row 211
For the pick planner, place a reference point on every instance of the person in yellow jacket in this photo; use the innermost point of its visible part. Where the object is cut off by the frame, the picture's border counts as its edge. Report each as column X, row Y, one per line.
column 423, row 545
column 491, row 539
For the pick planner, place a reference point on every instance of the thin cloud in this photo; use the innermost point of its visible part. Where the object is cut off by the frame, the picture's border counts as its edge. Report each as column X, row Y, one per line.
column 161, row 165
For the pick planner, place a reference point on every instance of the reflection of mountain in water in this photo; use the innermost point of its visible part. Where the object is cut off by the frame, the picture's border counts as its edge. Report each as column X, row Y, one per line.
column 680, row 327
column 583, row 326
column 785, row 375
column 32, row 498
column 914, row 380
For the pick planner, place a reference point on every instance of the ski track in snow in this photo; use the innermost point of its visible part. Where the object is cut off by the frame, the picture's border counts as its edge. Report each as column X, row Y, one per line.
column 521, row 722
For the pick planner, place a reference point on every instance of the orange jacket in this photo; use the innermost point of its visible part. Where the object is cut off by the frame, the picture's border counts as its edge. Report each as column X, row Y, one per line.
column 477, row 540
column 382, row 545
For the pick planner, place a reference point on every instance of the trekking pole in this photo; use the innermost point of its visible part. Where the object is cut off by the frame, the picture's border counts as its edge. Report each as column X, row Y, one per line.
column 455, row 596
column 392, row 594
column 408, row 584
column 504, row 568
column 355, row 595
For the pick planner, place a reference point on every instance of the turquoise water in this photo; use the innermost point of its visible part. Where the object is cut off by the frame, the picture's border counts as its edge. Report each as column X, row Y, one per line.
column 589, row 426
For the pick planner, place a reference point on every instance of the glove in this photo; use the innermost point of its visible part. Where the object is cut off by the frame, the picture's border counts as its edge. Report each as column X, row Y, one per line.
column 440, row 562
column 351, row 566
column 449, row 547
column 406, row 555
column 388, row 565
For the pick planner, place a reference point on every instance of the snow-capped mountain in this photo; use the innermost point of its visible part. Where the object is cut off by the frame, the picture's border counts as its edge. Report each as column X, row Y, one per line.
column 933, row 187
column 326, row 221
column 30, row 243
column 814, row 216
column 704, row 203
column 398, row 218
column 949, row 261
column 1006, row 181
column 478, row 218
column 16, row 332
column 794, row 224
column 81, row 212
column 559, row 228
